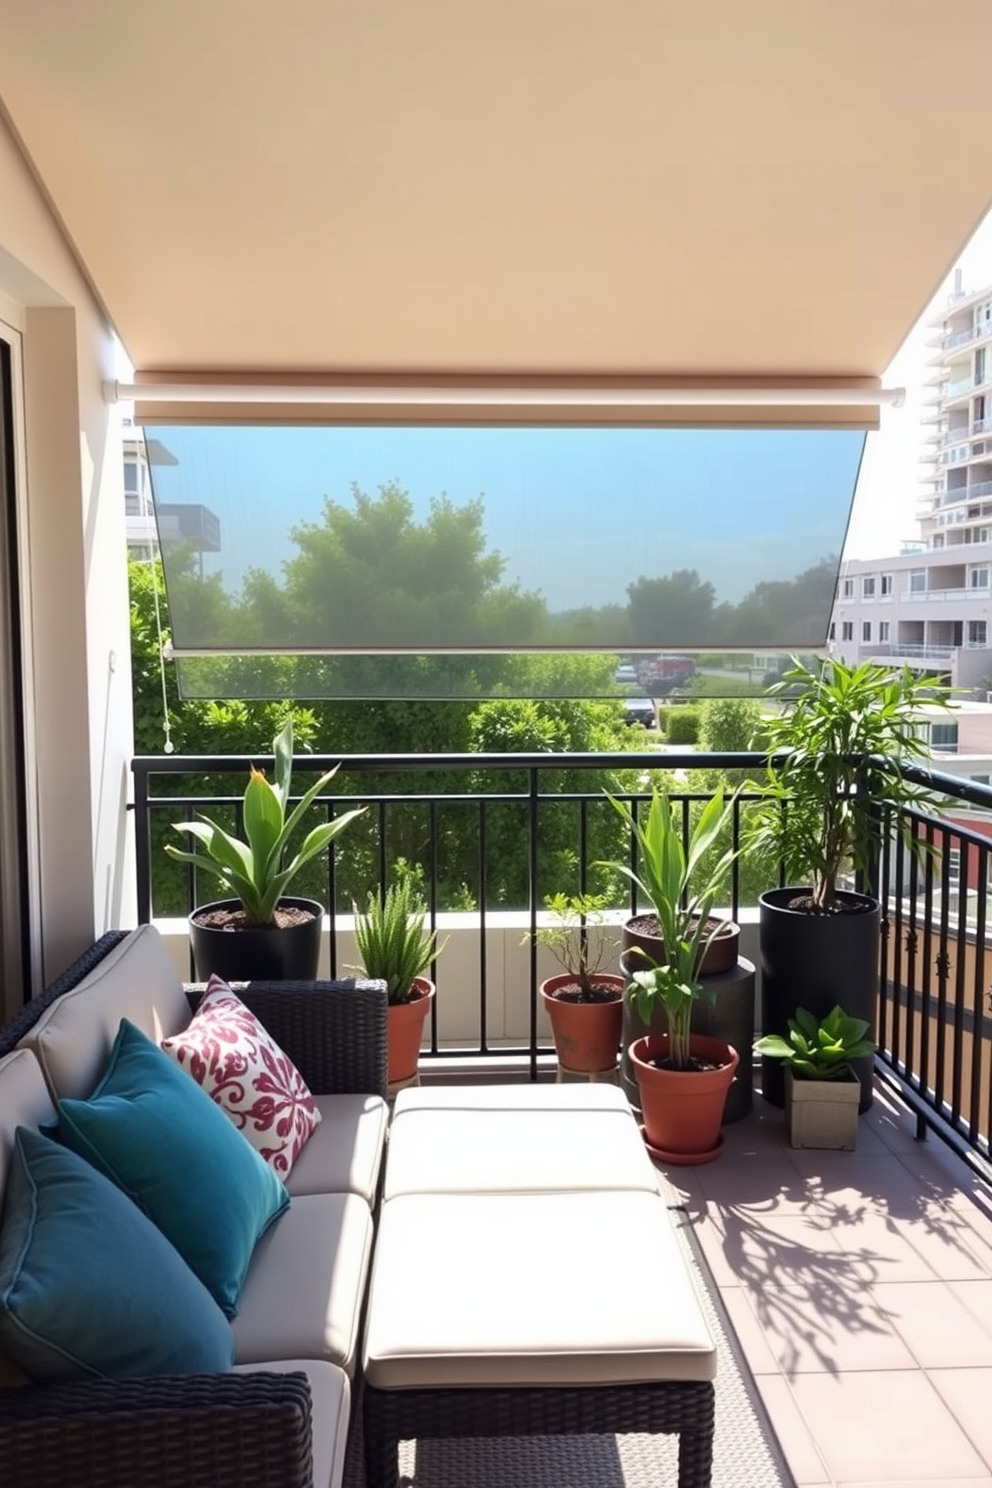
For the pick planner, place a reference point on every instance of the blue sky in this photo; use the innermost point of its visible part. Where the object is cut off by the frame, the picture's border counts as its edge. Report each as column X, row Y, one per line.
column 577, row 513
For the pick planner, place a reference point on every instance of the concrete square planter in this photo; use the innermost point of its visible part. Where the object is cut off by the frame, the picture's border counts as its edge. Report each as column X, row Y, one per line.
column 822, row 1113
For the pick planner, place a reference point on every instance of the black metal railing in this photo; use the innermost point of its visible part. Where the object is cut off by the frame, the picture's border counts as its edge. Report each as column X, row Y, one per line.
column 934, row 1028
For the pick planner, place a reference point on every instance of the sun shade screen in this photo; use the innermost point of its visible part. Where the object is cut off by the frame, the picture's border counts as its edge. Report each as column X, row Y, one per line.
column 374, row 553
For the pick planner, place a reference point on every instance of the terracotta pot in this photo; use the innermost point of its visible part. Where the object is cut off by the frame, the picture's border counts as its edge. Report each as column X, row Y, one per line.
column 586, row 1034
column 405, row 1031
column 683, row 1109
column 721, row 953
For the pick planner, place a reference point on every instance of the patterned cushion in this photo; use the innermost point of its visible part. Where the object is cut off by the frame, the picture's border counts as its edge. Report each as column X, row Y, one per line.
column 241, row 1066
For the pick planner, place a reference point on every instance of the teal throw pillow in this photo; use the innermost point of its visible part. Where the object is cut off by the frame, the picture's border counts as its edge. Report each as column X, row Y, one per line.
column 151, row 1129
column 88, row 1286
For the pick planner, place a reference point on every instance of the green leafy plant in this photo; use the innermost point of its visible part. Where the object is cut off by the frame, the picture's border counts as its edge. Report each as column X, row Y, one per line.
column 673, row 987
column 682, row 907
column 255, row 872
column 567, row 938
column 819, row 1050
column 842, row 740
column 392, row 937
column 669, row 869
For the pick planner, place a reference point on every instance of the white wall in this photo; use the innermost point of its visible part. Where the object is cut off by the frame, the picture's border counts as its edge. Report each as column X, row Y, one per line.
column 74, row 563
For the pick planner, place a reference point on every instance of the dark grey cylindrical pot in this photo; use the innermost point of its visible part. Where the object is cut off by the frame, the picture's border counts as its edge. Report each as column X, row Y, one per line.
column 262, row 953
column 725, row 1011
column 817, row 962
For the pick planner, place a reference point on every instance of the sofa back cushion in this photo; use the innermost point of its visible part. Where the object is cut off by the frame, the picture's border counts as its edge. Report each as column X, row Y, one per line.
column 73, row 1038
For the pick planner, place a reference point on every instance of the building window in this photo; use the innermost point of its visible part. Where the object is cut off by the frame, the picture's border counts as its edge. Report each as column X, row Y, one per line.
column 938, row 541
column 868, row 587
column 883, row 630
column 944, row 736
column 132, row 484
column 833, row 631
column 977, row 632
column 978, row 578
column 847, row 630
column 918, row 581
column 848, row 590
column 952, row 859
column 866, row 630
column 886, row 584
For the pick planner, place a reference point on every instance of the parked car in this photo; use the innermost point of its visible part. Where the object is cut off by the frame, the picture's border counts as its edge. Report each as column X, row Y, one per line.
column 640, row 710
column 625, row 674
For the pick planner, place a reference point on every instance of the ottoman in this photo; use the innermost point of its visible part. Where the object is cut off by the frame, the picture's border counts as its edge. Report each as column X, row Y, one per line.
column 494, row 1310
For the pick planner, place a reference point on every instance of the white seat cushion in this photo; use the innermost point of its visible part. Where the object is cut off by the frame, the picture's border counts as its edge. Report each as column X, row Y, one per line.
column 74, row 1036
column 302, row 1297
column 344, row 1154
column 501, row 1289
column 515, row 1139
column 330, row 1392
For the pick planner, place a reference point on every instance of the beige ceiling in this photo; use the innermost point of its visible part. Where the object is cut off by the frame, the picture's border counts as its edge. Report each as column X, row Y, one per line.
column 723, row 187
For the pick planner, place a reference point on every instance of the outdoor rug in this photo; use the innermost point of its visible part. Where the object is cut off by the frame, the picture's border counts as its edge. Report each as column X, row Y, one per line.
column 746, row 1453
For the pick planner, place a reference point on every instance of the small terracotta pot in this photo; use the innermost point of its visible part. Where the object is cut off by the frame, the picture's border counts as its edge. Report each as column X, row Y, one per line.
column 405, row 1031
column 683, row 1109
column 586, row 1034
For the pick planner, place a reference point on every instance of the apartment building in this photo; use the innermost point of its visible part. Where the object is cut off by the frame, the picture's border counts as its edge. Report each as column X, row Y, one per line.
column 929, row 605
column 189, row 523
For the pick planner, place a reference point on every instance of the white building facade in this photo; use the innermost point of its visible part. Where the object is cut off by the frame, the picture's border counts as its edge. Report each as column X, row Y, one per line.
column 930, row 605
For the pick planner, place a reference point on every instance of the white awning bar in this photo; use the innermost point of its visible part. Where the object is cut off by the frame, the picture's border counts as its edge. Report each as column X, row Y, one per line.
column 834, row 395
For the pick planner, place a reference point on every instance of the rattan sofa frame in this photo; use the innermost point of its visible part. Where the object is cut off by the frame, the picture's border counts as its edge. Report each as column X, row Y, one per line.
column 197, row 1431
column 685, row 1408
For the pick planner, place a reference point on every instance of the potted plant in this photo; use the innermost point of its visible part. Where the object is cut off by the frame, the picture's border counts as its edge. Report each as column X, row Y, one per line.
column 822, row 1092
column 683, row 1078
column 666, row 882
column 396, row 947
column 584, row 1004
column 834, row 777
column 260, row 932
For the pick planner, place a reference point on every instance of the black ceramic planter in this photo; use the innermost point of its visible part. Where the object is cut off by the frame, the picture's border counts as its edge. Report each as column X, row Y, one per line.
column 263, row 953
column 815, row 962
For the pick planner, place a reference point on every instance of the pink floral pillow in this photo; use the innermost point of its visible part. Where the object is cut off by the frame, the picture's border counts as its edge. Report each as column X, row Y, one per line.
column 229, row 1053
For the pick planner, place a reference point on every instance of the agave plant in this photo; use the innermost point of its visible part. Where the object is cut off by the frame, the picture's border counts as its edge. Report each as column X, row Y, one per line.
column 819, row 1050
column 393, row 940
column 255, row 872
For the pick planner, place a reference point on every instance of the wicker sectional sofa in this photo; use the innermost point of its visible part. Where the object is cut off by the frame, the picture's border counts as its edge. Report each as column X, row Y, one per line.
column 280, row 1417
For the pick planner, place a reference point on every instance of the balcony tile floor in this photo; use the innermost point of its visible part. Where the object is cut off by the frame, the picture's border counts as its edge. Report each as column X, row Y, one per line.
column 860, row 1288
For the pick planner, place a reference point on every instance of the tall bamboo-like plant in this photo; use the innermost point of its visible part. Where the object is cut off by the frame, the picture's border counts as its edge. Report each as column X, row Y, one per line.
column 682, row 906
column 842, row 741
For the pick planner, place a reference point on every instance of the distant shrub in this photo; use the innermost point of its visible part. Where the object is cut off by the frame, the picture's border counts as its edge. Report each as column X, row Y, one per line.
column 682, row 725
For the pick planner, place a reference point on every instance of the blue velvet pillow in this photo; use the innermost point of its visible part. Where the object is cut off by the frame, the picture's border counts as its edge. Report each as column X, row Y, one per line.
column 88, row 1285
column 151, row 1129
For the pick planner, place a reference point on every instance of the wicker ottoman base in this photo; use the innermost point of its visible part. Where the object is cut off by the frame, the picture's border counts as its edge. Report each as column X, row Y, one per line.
column 684, row 1408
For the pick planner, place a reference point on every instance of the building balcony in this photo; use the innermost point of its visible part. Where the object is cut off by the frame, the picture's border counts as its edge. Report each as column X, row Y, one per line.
column 844, row 1277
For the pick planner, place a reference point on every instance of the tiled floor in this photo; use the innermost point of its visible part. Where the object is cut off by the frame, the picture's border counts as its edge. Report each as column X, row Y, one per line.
column 860, row 1287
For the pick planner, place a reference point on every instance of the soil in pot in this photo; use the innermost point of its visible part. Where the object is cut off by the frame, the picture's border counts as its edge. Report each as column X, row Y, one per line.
column 643, row 932
column 222, row 917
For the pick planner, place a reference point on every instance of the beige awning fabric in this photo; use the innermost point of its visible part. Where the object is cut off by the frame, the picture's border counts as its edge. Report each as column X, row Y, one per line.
column 646, row 188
